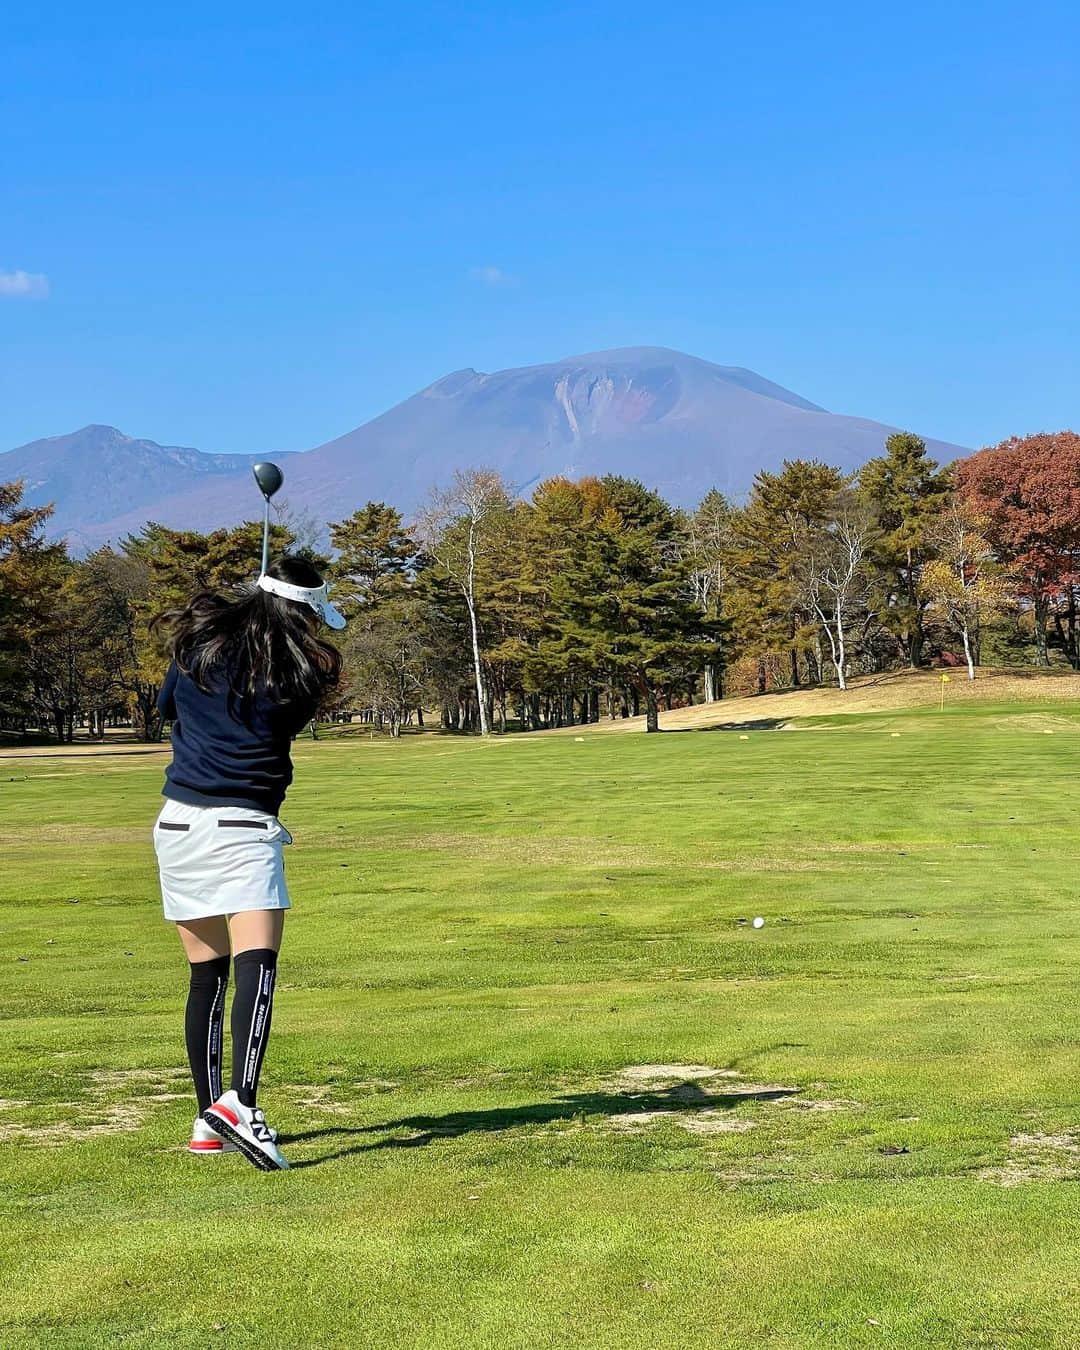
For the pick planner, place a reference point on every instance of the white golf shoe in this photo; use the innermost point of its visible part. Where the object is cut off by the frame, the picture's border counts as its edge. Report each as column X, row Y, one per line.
column 207, row 1143
column 246, row 1128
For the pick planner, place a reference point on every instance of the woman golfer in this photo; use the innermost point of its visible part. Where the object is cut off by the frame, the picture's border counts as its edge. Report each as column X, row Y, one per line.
column 248, row 671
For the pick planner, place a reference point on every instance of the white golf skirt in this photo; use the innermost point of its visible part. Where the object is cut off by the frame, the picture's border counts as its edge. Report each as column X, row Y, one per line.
column 219, row 860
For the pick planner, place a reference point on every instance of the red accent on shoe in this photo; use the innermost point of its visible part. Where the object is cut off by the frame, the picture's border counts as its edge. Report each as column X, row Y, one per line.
column 224, row 1111
column 205, row 1146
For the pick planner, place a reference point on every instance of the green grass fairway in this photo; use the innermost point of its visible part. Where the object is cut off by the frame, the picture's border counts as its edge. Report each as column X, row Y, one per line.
column 541, row 1082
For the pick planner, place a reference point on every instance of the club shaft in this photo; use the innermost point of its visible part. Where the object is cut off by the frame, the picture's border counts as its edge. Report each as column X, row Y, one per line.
column 266, row 536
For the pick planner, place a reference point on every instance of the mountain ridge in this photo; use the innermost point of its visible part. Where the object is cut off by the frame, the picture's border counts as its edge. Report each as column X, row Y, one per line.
column 679, row 423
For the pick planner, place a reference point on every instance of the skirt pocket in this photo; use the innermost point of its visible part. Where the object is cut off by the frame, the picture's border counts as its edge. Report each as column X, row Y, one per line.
column 220, row 861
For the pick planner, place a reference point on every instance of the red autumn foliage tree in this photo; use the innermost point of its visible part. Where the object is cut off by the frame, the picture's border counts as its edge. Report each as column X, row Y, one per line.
column 1028, row 489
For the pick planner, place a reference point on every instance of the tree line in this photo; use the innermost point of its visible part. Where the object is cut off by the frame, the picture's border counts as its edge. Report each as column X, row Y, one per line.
column 593, row 598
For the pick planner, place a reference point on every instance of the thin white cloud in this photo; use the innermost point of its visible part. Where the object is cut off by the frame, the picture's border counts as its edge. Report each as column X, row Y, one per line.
column 20, row 285
column 492, row 276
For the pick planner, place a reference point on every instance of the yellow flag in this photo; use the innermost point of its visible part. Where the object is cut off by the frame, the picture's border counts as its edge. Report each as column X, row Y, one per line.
column 945, row 679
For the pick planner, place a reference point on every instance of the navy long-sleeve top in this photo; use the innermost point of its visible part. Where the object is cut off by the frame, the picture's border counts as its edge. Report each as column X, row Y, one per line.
column 228, row 749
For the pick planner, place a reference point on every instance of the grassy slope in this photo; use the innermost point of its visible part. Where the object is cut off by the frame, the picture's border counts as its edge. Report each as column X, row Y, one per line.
column 890, row 692
column 485, row 936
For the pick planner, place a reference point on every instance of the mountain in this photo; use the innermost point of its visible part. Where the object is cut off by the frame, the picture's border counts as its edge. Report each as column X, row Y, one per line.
column 98, row 475
column 680, row 424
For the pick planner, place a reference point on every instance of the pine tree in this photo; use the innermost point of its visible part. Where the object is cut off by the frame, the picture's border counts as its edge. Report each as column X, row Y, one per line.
column 771, row 616
column 31, row 572
column 907, row 492
column 628, row 598
column 375, row 556
column 386, row 656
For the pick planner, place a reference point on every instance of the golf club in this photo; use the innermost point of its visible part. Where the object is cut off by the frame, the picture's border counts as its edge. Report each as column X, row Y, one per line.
column 269, row 478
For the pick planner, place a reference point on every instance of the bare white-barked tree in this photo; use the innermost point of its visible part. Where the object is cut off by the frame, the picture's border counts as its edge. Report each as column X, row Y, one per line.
column 834, row 573
column 457, row 530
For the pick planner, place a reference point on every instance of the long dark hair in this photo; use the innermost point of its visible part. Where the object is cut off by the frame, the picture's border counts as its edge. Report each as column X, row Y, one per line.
column 262, row 643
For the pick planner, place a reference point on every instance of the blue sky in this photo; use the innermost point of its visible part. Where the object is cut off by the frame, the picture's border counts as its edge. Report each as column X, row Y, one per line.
column 254, row 229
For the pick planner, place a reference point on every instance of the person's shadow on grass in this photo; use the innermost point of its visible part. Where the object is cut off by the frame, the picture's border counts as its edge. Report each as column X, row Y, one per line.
column 682, row 1098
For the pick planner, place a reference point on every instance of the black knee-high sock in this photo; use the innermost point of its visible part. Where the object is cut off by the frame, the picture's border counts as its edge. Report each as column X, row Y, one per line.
column 253, row 1004
column 202, row 1026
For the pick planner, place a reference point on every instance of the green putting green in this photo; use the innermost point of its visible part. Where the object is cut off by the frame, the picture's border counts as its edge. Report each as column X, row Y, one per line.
column 541, row 1082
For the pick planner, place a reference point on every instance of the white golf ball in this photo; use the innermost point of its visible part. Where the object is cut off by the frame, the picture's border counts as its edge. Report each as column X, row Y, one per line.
column 759, row 922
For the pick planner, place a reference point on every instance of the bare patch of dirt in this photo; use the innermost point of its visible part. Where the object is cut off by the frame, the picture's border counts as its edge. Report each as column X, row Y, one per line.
column 316, row 1098
column 698, row 1098
column 320, row 1097
column 100, row 1117
column 714, row 1122
column 88, row 1125
column 637, row 1120
column 648, row 1077
column 1037, row 1157
column 700, row 1122
column 681, row 1082
column 105, row 1082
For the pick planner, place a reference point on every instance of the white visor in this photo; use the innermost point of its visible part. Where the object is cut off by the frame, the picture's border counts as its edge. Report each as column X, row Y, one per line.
column 315, row 597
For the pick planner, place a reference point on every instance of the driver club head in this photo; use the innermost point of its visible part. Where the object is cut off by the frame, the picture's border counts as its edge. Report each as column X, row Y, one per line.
column 269, row 478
